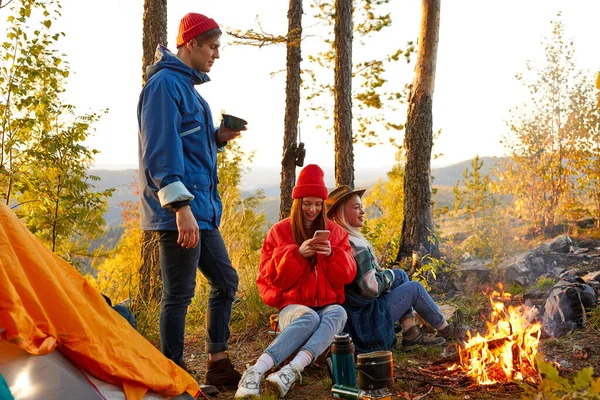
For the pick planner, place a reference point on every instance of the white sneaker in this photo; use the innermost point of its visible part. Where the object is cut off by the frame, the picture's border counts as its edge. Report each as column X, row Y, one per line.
column 249, row 384
column 285, row 378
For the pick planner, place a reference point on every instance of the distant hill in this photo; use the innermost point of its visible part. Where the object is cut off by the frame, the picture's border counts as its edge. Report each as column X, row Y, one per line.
column 448, row 176
column 267, row 179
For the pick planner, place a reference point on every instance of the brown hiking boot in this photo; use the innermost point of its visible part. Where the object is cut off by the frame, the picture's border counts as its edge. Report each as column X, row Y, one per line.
column 452, row 333
column 209, row 390
column 414, row 337
column 221, row 373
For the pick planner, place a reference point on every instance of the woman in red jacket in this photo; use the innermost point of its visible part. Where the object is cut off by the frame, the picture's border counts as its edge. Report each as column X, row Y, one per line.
column 303, row 277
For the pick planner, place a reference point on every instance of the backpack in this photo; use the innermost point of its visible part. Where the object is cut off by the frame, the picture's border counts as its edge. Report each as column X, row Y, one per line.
column 566, row 306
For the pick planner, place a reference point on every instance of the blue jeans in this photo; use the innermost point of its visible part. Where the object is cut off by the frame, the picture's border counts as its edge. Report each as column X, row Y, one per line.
column 300, row 324
column 178, row 267
column 406, row 295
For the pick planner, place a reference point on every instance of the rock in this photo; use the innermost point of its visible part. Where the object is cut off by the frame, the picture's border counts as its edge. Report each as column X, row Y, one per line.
column 535, row 294
column 579, row 250
column 458, row 237
column 587, row 243
column 561, row 244
column 523, row 269
column 472, row 274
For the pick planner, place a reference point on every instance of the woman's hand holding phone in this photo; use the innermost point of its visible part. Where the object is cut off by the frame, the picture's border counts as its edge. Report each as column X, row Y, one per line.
column 321, row 243
column 317, row 245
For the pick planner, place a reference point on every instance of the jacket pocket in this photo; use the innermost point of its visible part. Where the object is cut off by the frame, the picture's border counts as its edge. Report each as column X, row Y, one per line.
column 198, row 181
column 190, row 130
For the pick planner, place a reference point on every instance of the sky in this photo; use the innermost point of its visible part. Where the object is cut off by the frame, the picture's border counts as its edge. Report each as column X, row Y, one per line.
column 483, row 44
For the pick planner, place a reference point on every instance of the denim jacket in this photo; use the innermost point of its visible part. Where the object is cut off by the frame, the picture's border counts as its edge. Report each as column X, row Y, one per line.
column 177, row 146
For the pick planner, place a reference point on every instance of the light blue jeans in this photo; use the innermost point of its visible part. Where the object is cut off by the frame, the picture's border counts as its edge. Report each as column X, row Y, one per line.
column 300, row 324
column 406, row 295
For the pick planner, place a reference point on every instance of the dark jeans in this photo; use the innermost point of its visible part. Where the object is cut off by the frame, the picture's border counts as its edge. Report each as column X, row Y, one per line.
column 178, row 267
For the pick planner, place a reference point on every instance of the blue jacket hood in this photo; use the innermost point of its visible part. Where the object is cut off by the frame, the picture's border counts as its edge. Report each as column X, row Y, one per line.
column 167, row 59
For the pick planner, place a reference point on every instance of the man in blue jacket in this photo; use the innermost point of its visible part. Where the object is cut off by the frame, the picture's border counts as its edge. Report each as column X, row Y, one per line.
column 178, row 147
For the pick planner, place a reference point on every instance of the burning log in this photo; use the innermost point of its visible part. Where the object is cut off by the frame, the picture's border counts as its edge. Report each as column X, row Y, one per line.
column 507, row 352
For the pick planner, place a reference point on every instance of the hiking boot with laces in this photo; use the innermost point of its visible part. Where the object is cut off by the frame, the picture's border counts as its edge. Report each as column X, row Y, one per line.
column 452, row 333
column 249, row 384
column 285, row 378
column 414, row 337
column 221, row 373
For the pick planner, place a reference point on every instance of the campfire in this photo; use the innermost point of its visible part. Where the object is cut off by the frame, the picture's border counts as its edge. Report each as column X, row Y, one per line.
column 507, row 352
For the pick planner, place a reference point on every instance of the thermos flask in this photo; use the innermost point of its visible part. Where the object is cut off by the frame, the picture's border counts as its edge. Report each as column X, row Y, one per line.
column 344, row 370
column 346, row 392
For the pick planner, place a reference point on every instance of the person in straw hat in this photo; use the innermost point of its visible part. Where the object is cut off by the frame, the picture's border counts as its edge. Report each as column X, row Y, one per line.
column 303, row 277
column 378, row 297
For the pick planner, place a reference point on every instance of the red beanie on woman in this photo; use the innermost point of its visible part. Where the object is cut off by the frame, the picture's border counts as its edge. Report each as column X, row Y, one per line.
column 310, row 183
column 192, row 25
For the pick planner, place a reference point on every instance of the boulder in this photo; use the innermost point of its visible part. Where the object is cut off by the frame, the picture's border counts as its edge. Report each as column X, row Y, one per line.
column 472, row 274
column 587, row 243
column 561, row 244
column 523, row 269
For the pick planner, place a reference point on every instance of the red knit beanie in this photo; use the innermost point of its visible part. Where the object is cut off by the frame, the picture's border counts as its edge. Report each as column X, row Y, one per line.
column 192, row 25
column 310, row 183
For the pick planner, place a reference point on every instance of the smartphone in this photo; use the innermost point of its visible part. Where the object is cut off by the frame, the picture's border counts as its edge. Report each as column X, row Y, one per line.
column 321, row 235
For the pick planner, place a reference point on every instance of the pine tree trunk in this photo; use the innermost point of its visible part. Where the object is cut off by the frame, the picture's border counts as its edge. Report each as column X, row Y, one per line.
column 417, row 227
column 154, row 33
column 342, row 114
column 292, row 103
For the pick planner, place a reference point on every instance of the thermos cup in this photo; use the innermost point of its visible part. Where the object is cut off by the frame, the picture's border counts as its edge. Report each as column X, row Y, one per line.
column 344, row 370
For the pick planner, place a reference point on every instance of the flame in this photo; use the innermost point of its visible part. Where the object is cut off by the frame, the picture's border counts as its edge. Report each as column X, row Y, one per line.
column 508, row 350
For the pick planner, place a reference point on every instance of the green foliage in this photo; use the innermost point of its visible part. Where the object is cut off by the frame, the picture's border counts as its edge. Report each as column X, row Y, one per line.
column 554, row 387
column 545, row 283
column 470, row 308
column 476, row 198
column 43, row 164
column 242, row 228
column 493, row 237
column 117, row 276
column 549, row 135
column 373, row 98
column 430, row 268
column 384, row 209
column 57, row 199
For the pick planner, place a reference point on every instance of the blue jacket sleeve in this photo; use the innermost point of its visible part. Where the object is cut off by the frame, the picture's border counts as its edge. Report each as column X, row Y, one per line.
column 161, row 146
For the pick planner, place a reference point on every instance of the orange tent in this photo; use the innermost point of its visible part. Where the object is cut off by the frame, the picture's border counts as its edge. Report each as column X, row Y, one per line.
column 45, row 304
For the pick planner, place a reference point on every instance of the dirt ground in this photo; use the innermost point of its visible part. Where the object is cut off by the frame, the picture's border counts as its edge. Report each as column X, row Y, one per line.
column 572, row 352
column 421, row 373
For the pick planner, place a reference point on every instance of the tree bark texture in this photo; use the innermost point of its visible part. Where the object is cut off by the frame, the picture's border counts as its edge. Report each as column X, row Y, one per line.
column 417, row 227
column 154, row 33
column 342, row 114
column 292, row 103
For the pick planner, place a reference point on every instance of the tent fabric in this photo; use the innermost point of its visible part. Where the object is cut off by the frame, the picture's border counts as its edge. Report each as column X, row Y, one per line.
column 46, row 304
column 50, row 377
